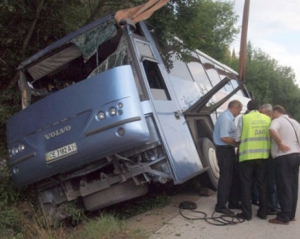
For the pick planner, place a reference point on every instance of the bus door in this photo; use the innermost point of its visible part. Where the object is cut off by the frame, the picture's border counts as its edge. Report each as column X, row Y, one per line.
column 173, row 128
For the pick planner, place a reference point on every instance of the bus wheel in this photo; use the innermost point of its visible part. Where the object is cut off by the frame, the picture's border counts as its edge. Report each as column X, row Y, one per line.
column 210, row 178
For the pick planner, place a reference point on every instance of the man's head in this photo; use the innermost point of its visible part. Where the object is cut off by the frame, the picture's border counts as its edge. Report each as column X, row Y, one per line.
column 253, row 105
column 278, row 110
column 235, row 107
column 266, row 109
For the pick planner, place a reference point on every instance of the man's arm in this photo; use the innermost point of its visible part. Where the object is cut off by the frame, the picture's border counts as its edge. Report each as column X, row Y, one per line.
column 276, row 137
column 229, row 141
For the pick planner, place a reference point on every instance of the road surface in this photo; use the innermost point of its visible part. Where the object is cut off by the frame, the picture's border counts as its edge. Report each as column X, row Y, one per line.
column 180, row 227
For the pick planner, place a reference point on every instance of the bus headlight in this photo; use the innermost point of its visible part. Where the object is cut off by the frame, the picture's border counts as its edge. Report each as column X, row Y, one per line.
column 15, row 150
column 21, row 147
column 101, row 115
column 120, row 105
column 16, row 170
column 112, row 111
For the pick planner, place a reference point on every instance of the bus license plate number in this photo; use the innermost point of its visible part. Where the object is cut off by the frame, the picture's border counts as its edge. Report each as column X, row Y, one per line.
column 61, row 152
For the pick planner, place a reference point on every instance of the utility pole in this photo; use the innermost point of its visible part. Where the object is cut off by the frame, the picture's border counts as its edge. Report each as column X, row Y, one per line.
column 243, row 46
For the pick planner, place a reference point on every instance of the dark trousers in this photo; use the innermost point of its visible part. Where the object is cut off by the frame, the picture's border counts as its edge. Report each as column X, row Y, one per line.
column 286, row 176
column 226, row 160
column 273, row 199
column 235, row 191
column 254, row 170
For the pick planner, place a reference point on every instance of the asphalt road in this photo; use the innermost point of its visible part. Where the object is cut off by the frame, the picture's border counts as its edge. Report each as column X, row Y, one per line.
column 180, row 227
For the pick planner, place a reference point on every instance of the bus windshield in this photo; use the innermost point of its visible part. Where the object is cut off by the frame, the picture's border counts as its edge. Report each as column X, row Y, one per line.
column 85, row 53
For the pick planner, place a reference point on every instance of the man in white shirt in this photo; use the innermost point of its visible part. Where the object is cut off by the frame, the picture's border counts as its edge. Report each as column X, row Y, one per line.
column 285, row 149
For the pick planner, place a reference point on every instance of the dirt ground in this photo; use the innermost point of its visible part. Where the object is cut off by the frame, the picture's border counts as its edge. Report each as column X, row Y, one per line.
column 149, row 222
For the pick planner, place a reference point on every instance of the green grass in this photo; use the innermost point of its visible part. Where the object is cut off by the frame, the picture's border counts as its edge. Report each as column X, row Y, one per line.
column 106, row 226
column 33, row 225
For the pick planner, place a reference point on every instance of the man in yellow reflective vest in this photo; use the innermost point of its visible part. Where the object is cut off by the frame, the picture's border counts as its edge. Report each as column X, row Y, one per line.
column 254, row 150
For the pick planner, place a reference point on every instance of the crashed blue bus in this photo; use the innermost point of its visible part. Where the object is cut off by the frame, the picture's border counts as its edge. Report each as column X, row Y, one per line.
column 103, row 117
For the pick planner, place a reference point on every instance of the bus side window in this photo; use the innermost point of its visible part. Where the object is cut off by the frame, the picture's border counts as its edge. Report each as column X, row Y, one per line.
column 198, row 72
column 156, row 82
column 223, row 74
column 210, row 70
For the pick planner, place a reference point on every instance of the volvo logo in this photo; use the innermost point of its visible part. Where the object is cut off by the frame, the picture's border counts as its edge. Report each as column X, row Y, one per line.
column 58, row 132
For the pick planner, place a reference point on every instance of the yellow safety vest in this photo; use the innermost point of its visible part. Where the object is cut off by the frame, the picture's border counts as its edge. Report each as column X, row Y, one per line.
column 255, row 138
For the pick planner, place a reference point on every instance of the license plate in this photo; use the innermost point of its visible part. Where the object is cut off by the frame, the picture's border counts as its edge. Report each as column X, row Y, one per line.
column 61, row 152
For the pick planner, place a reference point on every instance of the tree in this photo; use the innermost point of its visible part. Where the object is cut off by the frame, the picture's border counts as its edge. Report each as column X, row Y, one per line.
column 206, row 25
column 269, row 82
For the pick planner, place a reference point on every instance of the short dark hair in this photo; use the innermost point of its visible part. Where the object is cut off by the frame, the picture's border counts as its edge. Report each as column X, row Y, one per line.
column 279, row 109
column 253, row 105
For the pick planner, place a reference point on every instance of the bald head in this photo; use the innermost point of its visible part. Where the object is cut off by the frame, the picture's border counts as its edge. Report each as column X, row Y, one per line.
column 235, row 107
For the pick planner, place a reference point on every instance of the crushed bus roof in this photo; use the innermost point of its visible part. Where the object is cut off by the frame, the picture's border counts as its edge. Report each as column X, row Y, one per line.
column 63, row 41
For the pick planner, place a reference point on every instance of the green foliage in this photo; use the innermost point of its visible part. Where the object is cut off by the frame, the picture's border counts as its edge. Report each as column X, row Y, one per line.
column 105, row 226
column 269, row 82
column 9, row 104
column 75, row 211
column 215, row 29
column 8, row 191
column 10, row 223
column 205, row 24
column 9, row 215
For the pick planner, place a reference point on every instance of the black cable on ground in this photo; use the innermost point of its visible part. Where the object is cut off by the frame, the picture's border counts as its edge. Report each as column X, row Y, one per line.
column 222, row 220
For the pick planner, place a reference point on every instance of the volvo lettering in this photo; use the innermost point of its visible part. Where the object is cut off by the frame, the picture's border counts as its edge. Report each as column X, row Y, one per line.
column 58, row 132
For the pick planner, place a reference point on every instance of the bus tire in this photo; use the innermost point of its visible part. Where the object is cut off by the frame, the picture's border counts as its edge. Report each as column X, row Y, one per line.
column 210, row 178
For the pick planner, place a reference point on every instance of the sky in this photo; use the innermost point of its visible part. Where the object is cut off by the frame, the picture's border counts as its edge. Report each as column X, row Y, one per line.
column 273, row 27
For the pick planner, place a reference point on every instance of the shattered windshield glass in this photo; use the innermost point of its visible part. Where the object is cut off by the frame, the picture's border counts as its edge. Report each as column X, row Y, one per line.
column 118, row 58
column 97, row 50
column 89, row 42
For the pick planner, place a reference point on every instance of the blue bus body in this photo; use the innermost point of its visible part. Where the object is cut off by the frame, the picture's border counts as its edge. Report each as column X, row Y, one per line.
column 70, row 116
column 102, row 117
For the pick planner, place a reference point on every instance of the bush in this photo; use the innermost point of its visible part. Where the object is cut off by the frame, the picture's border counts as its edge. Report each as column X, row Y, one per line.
column 8, row 199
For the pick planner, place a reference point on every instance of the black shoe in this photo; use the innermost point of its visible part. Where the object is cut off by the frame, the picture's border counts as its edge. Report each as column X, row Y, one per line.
column 261, row 216
column 233, row 206
column 224, row 211
column 242, row 216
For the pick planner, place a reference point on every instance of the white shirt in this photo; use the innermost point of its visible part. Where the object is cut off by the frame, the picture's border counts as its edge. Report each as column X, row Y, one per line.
column 282, row 125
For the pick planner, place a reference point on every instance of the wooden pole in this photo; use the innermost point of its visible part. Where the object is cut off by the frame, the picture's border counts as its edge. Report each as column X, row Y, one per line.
column 243, row 46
